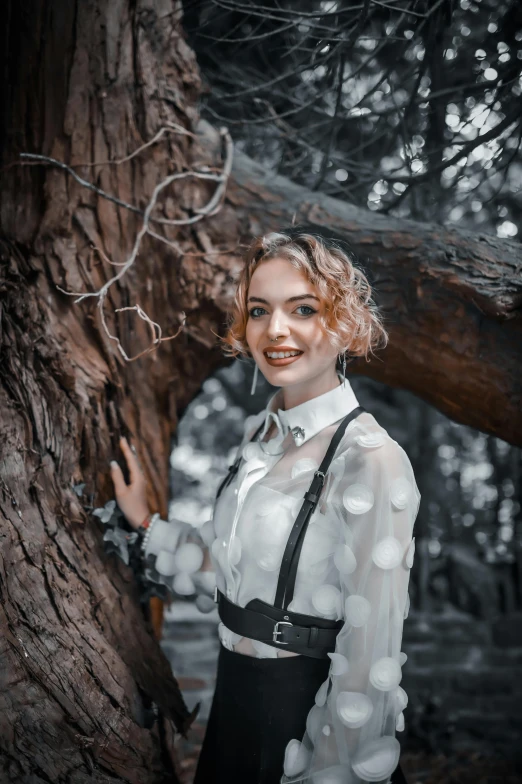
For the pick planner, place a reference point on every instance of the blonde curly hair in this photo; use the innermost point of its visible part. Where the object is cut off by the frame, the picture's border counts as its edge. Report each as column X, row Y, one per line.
column 351, row 318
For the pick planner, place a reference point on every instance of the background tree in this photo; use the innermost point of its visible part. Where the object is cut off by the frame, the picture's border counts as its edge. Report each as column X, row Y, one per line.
column 410, row 108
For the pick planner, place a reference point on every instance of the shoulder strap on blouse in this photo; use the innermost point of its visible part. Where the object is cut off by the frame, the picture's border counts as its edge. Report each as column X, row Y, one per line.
column 288, row 570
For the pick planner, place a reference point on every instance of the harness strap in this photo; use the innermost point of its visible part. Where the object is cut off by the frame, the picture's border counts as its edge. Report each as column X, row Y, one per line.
column 289, row 564
column 274, row 624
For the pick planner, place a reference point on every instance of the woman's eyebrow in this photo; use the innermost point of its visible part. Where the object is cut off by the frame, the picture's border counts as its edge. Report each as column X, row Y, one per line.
column 290, row 299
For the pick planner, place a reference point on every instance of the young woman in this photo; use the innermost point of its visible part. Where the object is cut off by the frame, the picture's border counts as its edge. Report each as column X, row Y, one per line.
column 311, row 541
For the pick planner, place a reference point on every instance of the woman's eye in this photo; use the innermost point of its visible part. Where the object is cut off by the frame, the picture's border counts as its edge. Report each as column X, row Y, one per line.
column 310, row 310
column 252, row 312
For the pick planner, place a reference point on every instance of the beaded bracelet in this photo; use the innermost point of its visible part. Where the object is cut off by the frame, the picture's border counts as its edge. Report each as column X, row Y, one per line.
column 148, row 531
column 144, row 525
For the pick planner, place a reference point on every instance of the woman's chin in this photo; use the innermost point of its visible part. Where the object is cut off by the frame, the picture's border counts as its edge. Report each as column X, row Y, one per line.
column 282, row 376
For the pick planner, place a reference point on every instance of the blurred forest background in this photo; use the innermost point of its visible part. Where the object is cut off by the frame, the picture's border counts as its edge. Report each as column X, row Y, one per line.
column 411, row 109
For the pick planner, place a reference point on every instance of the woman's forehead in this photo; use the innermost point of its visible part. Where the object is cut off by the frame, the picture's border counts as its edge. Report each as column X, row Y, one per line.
column 277, row 274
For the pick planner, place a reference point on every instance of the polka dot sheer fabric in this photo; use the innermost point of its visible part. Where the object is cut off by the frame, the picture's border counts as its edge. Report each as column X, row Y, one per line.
column 354, row 565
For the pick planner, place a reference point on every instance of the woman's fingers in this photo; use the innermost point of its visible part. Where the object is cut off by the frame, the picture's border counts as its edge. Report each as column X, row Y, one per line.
column 132, row 461
column 118, row 479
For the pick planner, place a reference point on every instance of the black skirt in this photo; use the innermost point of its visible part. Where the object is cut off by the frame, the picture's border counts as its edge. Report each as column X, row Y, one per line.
column 259, row 705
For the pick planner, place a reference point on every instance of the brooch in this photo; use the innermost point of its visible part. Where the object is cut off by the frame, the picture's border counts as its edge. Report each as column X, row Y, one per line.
column 298, row 434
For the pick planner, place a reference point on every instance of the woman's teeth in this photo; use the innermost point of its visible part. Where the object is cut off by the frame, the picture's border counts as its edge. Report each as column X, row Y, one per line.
column 282, row 354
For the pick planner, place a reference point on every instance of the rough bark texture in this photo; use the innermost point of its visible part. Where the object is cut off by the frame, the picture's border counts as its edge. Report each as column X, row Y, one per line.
column 78, row 665
column 92, row 81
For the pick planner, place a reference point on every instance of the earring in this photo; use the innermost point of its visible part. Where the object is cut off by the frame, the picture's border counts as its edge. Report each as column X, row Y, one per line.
column 342, row 358
column 254, row 380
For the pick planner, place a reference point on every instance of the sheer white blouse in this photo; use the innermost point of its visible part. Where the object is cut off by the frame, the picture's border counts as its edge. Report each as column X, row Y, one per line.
column 354, row 565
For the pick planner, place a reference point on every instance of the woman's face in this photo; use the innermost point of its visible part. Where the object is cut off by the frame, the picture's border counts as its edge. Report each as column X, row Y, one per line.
column 283, row 303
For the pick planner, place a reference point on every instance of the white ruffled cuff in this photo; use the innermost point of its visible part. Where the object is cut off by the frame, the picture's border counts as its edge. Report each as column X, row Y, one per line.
column 172, row 559
column 161, row 535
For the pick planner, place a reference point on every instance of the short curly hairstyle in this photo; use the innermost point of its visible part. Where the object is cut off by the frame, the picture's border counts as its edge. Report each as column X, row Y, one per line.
column 351, row 318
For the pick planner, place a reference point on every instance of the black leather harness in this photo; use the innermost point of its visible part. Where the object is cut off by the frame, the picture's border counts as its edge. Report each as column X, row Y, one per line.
column 275, row 624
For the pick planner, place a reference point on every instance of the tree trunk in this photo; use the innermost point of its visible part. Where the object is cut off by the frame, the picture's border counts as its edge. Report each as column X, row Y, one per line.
column 79, row 668
column 90, row 82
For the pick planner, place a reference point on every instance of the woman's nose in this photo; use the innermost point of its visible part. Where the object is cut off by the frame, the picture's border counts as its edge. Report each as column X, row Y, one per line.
column 277, row 326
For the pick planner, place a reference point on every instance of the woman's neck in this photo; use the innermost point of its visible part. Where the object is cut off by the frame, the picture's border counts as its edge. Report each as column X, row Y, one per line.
column 296, row 394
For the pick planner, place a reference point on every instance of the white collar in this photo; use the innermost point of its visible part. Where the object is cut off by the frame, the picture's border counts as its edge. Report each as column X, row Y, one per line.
column 310, row 417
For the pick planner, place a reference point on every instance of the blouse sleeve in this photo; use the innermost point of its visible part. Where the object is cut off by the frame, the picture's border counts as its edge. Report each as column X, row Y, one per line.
column 350, row 735
column 176, row 555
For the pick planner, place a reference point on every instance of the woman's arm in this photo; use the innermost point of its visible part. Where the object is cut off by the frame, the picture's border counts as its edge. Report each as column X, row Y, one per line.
column 175, row 553
column 350, row 736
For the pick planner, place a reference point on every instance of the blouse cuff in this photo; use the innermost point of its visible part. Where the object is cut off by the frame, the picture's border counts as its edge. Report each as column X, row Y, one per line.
column 170, row 557
column 161, row 535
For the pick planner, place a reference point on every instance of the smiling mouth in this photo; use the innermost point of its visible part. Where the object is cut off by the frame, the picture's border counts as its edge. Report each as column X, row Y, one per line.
column 282, row 354
column 282, row 358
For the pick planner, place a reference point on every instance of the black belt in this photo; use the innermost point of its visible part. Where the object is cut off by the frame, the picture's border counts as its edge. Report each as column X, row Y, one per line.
column 297, row 632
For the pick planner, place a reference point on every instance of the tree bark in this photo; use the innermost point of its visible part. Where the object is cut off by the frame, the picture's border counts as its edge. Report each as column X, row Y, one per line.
column 89, row 82
column 79, row 667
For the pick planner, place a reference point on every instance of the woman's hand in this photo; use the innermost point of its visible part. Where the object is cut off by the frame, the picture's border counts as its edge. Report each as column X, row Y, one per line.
column 132, row 498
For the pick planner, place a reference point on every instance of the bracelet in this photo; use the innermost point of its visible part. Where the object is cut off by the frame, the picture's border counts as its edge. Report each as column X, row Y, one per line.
column 148, row 531
column 145, row 524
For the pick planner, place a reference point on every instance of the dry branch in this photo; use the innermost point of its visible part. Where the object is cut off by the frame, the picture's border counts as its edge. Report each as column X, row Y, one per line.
column 211, row 208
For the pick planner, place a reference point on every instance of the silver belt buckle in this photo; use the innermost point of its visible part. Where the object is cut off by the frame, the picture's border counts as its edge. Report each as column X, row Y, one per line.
column 276, row 632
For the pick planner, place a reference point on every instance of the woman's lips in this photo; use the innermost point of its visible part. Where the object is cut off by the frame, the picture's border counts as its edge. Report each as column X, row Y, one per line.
column 282, row 362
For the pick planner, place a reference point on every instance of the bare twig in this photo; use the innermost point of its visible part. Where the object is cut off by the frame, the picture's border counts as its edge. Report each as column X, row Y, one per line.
column 156, row 332
column 169, row 128
column 210, row 208
column 175, row 246
column 203, row 211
